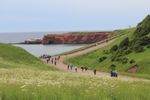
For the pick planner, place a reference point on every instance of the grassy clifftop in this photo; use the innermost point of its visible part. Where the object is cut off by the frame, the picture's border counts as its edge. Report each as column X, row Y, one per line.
column 16, row 57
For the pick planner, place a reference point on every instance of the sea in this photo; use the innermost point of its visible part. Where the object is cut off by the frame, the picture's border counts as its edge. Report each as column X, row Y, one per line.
column 37, row 49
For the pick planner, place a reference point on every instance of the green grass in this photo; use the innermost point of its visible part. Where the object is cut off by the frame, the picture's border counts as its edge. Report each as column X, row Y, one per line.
column 27, row 84
column 16, row 57
column 25, row 77
column 91, row 59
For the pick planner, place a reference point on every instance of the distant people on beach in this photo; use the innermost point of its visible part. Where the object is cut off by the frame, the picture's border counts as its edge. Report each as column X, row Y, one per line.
column 44, row 56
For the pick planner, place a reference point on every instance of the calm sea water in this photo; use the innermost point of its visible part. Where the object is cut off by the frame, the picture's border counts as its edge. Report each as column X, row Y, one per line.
column 38, row 49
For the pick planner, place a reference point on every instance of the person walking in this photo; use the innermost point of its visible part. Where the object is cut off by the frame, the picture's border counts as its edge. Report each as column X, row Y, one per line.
column 82, row 68
column 94, row 71
column 58, row 57
column 55, row 63
column 52, row 61
column 76, row 69
column 49, row 57
column 71, row 66
column 85, row 68
column 68, row 67
column 47, row 60
column 55, row 58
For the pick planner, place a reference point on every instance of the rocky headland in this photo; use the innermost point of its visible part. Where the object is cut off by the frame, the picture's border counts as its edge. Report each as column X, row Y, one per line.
column 71, row 38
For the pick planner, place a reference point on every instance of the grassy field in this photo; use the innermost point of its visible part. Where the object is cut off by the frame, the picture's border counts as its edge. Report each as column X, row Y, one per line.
column 91, row 59
column 25, row 77
column 27, row 84
column 16, row 57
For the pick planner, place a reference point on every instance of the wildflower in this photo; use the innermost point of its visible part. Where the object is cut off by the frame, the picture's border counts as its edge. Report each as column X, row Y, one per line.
column 23, row 86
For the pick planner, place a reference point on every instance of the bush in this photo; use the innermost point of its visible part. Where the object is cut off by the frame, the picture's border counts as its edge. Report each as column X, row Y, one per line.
column 124, row 60
column 113, row 67
column 148, row 46
column 139, row 49
column 143, row 41
column 129, row 50
column 106, row 51
column 132, row 61
column 102, row 59
column 124, row 43
column 143, row 27
column 114, row 48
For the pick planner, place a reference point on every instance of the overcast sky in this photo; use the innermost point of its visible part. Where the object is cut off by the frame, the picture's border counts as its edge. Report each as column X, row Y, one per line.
column 70, row 15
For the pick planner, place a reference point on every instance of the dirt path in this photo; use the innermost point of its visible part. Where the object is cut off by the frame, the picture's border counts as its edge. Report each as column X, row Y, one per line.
column 61, row 66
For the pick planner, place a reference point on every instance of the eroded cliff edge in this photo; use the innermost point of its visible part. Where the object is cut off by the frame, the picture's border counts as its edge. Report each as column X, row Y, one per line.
column 76, row 38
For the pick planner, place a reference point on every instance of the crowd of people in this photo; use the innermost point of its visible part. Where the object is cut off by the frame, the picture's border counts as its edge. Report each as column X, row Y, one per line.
column 55, row 59
column 83, row 69
column 52, row 59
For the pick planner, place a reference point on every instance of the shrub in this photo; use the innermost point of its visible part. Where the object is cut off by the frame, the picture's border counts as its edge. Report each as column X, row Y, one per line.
column 114, row 48
column 106, row 51
column 113, row 67
column 124, row 60
column 143, row 41
column 129, row 50
column 132, row 61
column 102, row 59
column 139, row 48
column 124, row 43
column 143, row 27
column 148, row 46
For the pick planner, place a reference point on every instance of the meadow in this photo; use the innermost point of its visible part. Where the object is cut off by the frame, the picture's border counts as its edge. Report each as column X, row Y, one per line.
column 25, row 77
column 27, row 84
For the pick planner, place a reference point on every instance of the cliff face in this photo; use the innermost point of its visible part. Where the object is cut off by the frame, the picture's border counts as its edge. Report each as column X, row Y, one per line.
column 75, row 38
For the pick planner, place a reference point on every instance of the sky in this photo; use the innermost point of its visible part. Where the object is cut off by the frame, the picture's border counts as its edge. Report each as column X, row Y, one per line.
column 70, row 15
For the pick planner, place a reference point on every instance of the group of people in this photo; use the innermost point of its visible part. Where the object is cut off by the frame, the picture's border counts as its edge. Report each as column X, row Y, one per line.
column 53, row 59
column 70, row 67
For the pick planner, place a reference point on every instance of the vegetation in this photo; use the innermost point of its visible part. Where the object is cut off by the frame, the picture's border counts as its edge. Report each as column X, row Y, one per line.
column 27, row 84
column 16, row 57
column 129, row 50
column 25, row 77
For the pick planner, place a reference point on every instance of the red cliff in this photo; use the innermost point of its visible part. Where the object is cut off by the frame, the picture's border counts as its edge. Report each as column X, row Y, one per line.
column 75, row 38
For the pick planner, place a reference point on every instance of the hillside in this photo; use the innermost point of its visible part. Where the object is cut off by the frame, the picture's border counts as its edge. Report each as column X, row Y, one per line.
column 24, row 77
column 132, row 49
column 16, row 57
